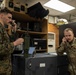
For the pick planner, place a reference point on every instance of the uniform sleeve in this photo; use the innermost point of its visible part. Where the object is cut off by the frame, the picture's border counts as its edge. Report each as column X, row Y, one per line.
column 6, row 47
column 61, row 49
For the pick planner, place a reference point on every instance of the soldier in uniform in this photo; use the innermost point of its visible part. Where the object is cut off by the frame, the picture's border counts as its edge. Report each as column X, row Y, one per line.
column 68, row 45
column 6, row 47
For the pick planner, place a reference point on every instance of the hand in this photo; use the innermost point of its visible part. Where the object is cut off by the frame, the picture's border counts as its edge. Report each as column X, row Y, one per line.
column 18, row 41
column 14, row 27
column 64, row 40
column 9, row 29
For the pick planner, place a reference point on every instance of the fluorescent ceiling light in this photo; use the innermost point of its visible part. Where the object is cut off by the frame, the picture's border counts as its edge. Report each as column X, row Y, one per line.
column 58, row 5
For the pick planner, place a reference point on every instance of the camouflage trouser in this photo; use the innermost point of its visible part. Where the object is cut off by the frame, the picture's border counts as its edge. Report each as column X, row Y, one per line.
column 72, row 73
column 4, row 70
column 2, row 74
column 5, row 74
column 72, row 70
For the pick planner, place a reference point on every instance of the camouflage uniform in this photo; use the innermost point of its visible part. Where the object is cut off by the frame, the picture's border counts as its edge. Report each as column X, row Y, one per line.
column 70, row 49
column 6, row 48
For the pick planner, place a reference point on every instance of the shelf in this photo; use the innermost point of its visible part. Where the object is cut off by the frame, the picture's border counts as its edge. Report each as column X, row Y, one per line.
column 32, row 32
column 23, row 17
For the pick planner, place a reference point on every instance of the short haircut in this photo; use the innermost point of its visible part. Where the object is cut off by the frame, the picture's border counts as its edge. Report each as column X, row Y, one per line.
column 5, row 10
column 68, row 29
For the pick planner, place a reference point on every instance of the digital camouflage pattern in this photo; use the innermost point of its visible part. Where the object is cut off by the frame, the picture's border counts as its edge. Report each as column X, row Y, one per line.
column 70, row 49
column 6, row 48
